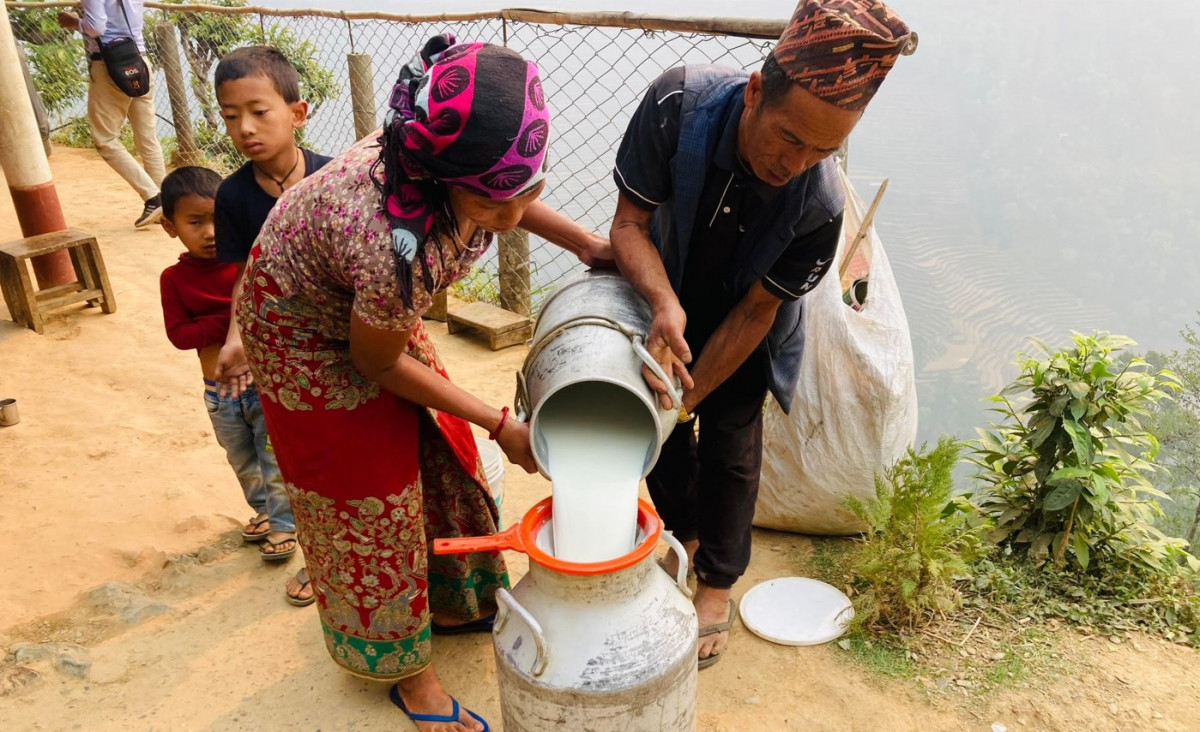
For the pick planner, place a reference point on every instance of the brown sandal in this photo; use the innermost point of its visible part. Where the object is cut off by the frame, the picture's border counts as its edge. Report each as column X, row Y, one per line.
column 304, row 580
column 275, row 555
column 713, row 630
column 255, row 536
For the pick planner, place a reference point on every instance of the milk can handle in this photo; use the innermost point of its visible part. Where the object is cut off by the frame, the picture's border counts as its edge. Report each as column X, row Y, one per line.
column 681, row 572
column 506, row 603
column 672, row 390
column 521, row 399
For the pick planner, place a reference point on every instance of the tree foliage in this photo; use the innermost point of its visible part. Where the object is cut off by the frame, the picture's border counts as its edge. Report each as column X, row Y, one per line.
column 919, row 541
column 1177, row 426
column 57, row 62
column 59, row 66
column 1066, row 474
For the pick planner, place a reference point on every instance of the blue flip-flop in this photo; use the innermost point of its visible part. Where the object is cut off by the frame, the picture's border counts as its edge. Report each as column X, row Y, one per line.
column 394, row 695
column 483, row 625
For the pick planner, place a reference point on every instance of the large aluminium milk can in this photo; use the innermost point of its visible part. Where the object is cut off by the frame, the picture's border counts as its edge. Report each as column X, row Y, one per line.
column 596, row 647
column 591, row 332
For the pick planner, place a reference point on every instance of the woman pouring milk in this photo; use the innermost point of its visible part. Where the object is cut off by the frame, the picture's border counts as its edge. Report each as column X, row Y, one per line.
column 373, row 439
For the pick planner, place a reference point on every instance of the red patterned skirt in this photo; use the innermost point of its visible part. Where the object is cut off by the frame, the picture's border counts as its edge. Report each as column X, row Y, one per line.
column 373, row 479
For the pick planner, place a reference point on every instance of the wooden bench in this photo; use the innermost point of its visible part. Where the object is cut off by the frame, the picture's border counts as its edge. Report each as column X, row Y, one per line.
column 501, row 327
column 26, row 303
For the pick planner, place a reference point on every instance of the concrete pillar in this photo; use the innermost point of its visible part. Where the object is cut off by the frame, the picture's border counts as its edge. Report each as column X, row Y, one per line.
column 25, row 166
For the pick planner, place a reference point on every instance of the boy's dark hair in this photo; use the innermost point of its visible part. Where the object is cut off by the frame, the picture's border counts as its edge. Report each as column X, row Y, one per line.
column 190, row 180
column 260, row 61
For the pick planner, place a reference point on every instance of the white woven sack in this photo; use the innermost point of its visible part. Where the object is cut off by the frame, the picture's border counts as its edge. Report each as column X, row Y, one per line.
column 855, row 408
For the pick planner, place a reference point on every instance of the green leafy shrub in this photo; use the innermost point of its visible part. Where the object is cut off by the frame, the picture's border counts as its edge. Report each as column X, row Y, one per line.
column 478, row 285
column 59, row 67
column 919, row 541
column 1123, row 600
column 206, row 37
column 1065, row 474
column 1177, row 426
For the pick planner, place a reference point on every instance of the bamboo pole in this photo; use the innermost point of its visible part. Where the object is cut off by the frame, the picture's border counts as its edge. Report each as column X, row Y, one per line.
column 745, row 27
column 863, row 228
column 186, row 152
column 513, row 252
column 742, row 27
column 362, row 94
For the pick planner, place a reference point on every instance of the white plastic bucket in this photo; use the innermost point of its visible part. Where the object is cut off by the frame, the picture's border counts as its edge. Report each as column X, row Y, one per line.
column 493, row 469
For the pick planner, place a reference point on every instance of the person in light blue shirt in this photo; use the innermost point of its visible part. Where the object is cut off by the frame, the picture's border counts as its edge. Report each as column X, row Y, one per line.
column 105, row 21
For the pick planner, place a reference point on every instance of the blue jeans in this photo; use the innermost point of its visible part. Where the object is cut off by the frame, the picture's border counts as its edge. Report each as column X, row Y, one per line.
column 240, row 429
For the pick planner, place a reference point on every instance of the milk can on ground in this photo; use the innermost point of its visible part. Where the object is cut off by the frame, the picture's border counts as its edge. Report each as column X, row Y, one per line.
column 597, row 647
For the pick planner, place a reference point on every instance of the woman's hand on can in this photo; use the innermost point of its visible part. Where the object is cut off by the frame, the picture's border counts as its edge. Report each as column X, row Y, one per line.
column 598, row 253
column 514, row 441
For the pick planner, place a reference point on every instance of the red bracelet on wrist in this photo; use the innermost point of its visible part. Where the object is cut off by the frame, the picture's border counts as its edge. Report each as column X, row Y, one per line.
column 503, row 418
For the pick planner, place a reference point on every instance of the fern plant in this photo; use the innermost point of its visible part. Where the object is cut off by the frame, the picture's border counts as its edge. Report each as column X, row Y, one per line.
column 1065, row 473
column 918, row 542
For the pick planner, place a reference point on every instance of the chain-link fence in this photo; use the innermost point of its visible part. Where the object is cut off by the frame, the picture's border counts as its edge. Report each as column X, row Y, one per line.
column 595, row 68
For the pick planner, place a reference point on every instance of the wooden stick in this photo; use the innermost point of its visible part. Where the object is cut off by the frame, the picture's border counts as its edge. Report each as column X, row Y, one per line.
column 279, row 13
column 744, row 27
column 863, row 228
column 741, row 27
column 932, row 634
column 967, row 637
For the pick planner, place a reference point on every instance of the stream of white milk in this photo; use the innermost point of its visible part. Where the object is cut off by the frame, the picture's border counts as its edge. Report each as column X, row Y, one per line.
column 597, row 437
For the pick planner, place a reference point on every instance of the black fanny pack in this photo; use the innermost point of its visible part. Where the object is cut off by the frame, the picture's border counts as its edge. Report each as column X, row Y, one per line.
column 126, row 67
column 124, row 62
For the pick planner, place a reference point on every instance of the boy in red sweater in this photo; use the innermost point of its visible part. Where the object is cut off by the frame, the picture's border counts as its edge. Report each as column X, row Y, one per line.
column 196, row 294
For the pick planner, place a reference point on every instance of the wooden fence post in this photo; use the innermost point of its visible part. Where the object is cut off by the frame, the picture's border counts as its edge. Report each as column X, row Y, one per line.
column 186, row 152
column 513, row 253
column 362, row 94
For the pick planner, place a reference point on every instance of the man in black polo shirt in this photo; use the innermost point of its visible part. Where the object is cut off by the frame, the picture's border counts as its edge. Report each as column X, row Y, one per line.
column 729, row 211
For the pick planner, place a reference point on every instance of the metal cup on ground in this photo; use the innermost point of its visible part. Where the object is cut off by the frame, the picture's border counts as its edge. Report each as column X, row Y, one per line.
column 8, row 412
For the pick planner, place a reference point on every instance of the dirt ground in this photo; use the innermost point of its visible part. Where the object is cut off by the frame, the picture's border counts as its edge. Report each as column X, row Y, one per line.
column 128, row 602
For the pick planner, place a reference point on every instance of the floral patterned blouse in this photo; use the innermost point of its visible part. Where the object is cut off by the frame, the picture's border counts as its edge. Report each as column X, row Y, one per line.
column 328, row 241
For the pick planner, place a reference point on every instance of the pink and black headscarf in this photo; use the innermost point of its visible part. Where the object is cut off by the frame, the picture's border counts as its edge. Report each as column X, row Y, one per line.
column 471, row 115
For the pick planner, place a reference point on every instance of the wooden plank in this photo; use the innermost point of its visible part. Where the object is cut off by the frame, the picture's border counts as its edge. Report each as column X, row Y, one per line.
column 85, row 273
column 496, row 341
column 487, row 317
column 501, row 327
column 52, row 292
column 34, row 246
column 62, row 301
column 33, row 318
column 109, row 303
column 10, row 283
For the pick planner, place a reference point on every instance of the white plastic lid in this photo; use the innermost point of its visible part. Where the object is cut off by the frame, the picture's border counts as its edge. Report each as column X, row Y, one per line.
column 796, row 611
